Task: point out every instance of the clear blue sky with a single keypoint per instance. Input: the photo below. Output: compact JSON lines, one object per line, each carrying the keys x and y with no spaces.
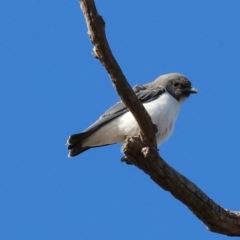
{"x":51,"y":87}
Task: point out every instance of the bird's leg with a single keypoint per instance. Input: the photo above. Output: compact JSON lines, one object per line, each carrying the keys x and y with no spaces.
{"x":155,"y":128}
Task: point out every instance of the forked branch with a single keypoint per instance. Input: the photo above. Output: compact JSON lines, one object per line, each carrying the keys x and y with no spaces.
{"x":142,"y":151}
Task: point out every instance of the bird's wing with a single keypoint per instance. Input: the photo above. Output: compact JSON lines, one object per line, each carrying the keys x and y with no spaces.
{"x":143,"y":94}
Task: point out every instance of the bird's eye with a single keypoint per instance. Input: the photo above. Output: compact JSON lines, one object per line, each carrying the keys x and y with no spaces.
{"x":176,"y":84}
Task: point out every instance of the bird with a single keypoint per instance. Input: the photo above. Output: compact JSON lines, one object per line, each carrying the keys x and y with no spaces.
{"x":161,"y":98}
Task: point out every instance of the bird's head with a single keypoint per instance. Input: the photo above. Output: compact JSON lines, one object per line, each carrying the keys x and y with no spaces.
{"x":177,"y":85}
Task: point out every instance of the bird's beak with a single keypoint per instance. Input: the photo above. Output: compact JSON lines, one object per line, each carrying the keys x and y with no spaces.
{"x":190,"y":90}
{"x":193,"y":90}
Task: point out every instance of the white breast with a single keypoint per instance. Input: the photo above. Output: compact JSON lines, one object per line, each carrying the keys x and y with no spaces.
{"x":163,"y":112}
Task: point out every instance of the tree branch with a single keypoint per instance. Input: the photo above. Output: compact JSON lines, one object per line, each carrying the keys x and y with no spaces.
{"x":102,"y":51}
{"x":142,"y":151}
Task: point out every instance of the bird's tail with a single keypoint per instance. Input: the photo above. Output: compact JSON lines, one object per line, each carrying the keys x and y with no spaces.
{"x":75,"y":143}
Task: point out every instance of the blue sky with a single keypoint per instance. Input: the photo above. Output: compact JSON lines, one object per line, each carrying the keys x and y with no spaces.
{"x":51,"y":87}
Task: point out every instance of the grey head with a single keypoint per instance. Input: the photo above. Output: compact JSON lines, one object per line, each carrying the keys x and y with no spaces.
{"x":175,"y":84}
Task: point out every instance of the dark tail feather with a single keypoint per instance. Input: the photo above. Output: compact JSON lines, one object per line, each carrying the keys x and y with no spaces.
{"x":75,"y":143}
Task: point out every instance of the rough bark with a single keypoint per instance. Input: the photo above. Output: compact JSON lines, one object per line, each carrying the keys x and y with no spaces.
{"x":142,"y":150}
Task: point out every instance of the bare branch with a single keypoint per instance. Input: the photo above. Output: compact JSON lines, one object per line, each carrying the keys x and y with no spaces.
{"x":102,"y":51}
{"x":142,"y":152}
{"x":216,"y":218}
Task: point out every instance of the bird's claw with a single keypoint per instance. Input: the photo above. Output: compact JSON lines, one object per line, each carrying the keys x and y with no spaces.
{"x":155,"y":128}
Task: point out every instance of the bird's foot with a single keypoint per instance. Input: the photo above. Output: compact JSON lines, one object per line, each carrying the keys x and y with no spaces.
{"x":155,"y":128}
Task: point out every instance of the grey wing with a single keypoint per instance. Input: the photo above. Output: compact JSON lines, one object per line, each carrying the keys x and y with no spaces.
{"x":143,"y":94}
